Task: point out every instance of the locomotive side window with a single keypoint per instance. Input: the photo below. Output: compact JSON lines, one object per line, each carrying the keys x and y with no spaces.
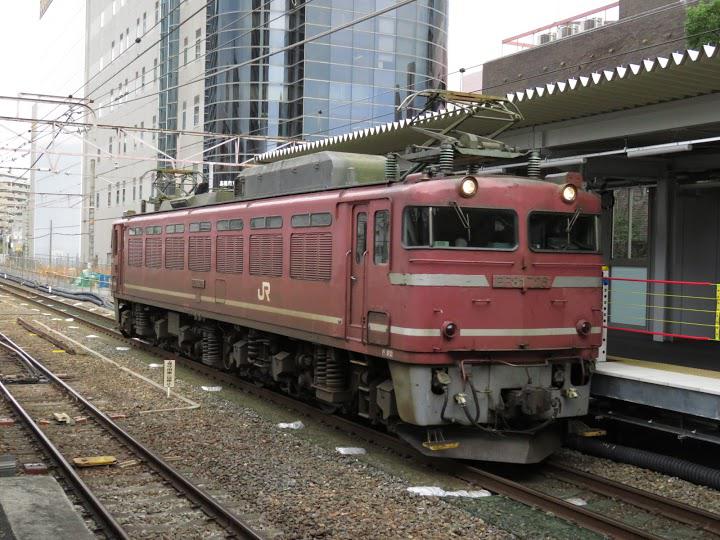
{"x":269,"y":222}
{"x":236,"y":224}
{"x":360,"y":236}
{"x":175,"y":229}
{"x":381,"y":248}
{"x":455,"y":227}
{"x":555,"y":231}
{"x":321,"y":219}
{"x":153,"y":229}
{"x":223,"y":225}
{"x":300,"y":220}
{"x":200,"y":226}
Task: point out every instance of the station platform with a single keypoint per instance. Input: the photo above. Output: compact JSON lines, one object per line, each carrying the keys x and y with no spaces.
{"x":33,"y":507}
{"x":681,"y":376}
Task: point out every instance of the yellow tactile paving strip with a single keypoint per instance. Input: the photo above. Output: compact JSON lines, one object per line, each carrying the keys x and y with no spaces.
{"x":666,"y":367}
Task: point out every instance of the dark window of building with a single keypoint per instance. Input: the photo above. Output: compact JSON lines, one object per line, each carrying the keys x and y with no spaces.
{"x":556,"y":231}
{"x":266,"y":255}
{"x":229,"y":254}
{"x":311,"y":256}
{"x":381,"y":248}
{"x":455,"y":227}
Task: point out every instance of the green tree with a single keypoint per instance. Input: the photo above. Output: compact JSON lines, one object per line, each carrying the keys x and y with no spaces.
{"x":702,"y":24}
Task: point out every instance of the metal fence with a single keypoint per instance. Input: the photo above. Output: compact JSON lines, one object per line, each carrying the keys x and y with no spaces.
{"x":65,"y":272}
{"x":670,"y":308}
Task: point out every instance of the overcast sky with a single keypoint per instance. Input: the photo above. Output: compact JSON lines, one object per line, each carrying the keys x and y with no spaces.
{"x":46,"y":56}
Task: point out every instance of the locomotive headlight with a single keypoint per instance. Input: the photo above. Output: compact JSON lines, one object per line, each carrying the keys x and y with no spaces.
{"x":569,"y":193}
{"x":468,"y":186}
{"x":449,"y":329}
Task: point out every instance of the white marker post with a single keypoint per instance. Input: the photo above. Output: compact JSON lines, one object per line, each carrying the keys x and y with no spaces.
{"x":169,"y":375}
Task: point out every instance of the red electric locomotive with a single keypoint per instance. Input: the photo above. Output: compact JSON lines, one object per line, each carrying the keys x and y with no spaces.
{"x":462,"y":311}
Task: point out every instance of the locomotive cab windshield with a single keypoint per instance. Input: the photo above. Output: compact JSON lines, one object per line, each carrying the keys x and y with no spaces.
{"x":555,"y":231}
{"x":457,"y":227}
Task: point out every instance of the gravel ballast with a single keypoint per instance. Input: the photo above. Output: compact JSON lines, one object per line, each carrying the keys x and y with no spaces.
{"x":288,"y":484}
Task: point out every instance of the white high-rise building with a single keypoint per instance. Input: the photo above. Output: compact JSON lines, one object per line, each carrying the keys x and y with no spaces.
{"x":140,"y":59}
{"x":14,"y":225}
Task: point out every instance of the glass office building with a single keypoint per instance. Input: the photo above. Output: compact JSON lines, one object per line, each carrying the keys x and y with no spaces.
{"x":348,"y":80}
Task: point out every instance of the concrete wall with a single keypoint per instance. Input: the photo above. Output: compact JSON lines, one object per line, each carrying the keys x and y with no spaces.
{"x":627,"y":40}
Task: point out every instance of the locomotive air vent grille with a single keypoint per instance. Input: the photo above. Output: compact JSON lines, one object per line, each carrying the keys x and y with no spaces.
{"x":229,"y":254}
{"x":135,"y":252}
{"x":153,"y":252}
{"x":175,"y":253}
{"x":199,"y":249}
{"x":311,"y":256}
{"x":266,"y":255}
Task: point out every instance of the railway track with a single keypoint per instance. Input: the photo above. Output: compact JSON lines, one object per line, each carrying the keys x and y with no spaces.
{"x":705,"y":523}
{"x":141,"y":495}
{"x":14,"y":369}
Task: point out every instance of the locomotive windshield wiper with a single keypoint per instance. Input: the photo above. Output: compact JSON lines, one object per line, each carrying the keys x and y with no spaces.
{"x":573,"y":220}
{"x":464,"y":218}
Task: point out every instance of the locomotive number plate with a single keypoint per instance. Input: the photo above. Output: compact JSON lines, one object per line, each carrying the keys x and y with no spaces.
{"x":521,"y":282}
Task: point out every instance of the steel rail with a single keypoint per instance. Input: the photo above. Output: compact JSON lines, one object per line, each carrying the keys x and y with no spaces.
{"x":579,"y":515}
{"x":97,"y":508}
{"x":656,"y":504}
{"x":196,"y":494}
{"x":504,"y":486}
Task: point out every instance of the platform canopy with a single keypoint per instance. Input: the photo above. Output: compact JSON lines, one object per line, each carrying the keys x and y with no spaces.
{"x":681,"y":75}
